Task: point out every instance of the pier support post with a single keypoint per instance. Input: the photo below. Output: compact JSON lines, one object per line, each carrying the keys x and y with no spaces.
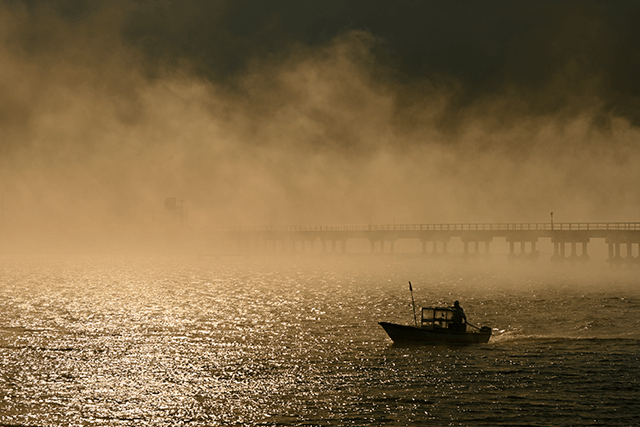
{"x":522,"y":254}
{"x":556,"y":252}
{"x":512,"y":251}
{"x":614,"y":252}
{"x":610,"y":252}
{"x":465,"y":253}
{"x":584,"y":256}
{"x":487,"y":253}
{"x":534,"y":255}
{"x":574,"y":256}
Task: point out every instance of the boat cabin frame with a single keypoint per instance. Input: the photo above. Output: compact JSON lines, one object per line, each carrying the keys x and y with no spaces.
{"x":441,"y":318}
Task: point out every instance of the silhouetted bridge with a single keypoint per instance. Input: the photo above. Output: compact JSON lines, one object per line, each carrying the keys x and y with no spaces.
{"x":569,"y":240}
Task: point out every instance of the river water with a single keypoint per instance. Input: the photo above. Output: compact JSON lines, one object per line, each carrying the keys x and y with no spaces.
{"x":294,"y":341}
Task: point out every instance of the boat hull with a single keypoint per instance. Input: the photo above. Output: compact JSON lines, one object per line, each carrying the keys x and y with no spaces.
{"x":412,"y":334}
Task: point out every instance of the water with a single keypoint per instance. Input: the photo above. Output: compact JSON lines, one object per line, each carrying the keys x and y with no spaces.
{"x":288,"y":341}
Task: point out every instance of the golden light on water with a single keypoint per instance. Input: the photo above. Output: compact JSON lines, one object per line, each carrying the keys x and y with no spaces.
{"x":250,"y":340}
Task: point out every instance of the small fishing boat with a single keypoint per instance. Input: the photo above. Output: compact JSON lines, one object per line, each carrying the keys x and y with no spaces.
{"x":437,"y":325}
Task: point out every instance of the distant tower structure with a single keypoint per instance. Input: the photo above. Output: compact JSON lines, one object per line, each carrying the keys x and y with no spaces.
{"x":174,"y":209}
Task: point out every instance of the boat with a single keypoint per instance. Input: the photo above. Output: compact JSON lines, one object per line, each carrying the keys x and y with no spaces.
{"x":437,"y":325}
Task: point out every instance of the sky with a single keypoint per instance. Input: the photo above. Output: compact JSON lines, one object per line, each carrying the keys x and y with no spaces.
{"x":314,"y":113}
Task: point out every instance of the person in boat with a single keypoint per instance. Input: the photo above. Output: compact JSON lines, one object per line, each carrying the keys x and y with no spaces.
{"x":459,"y":320}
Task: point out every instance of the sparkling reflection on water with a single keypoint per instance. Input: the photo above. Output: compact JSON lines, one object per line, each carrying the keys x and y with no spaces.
{"x":294,"y":341}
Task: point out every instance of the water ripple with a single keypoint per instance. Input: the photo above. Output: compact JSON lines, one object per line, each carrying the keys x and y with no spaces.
{"x":288,"y":341}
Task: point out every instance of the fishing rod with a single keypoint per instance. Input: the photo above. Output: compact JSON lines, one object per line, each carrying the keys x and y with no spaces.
{"x":415,"y":321}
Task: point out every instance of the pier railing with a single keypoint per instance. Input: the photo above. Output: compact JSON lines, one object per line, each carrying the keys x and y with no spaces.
{"x":573,"y":226}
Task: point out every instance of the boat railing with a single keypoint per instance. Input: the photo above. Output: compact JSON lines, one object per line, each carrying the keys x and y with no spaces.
{"x":436,"y":317}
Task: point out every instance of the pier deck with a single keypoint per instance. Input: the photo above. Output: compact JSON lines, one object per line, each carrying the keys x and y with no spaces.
{"x":570,"y":240}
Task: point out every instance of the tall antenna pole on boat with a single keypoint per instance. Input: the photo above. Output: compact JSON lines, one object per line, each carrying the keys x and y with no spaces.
{"x":415,"y":321}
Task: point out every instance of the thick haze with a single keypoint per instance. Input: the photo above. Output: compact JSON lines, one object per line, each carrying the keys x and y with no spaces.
{"x":313,"y":113}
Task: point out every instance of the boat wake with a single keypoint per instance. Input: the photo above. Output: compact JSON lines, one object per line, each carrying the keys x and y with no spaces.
{"x":502,"y":336}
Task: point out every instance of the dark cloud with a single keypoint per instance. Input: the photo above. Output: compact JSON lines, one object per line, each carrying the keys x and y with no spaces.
{"x":553,"y":52}
{"x":564,"y":49}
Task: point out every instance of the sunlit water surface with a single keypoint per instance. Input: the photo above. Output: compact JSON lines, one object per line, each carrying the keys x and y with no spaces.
{"x":205,"y":341}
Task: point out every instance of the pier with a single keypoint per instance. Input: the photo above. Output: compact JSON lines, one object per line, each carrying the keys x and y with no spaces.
{"x":567,"y":242}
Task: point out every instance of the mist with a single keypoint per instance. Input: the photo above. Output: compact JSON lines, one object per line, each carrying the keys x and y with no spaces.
{"x":105,"y":113}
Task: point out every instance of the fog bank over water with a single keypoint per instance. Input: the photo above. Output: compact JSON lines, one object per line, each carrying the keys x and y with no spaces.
{"x":96,"y":131}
